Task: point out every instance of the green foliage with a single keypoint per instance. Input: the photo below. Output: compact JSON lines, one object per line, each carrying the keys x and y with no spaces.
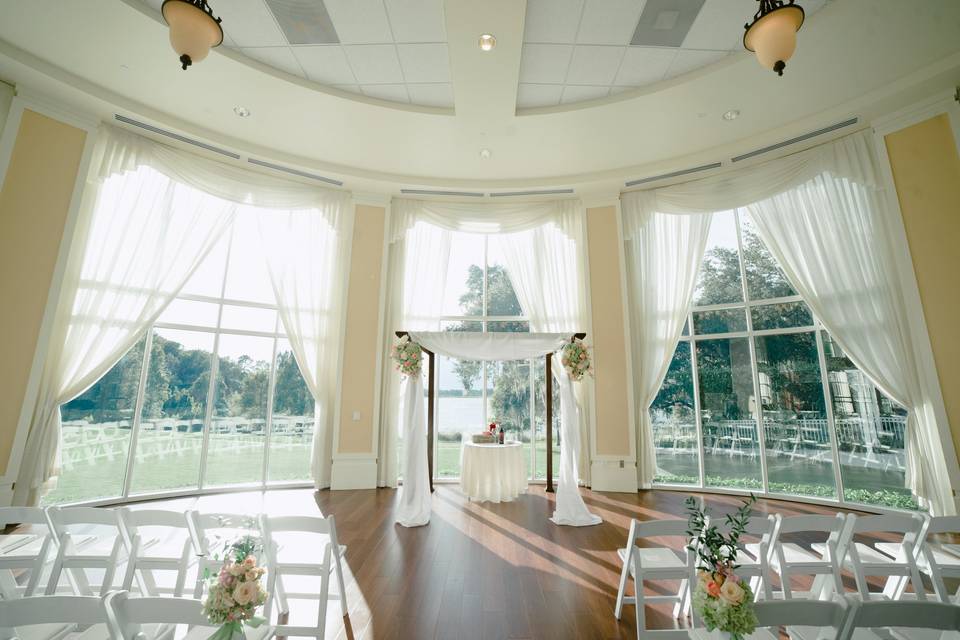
{"x":716,"y":551}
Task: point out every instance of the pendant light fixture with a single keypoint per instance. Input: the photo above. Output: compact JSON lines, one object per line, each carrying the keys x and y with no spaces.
{"x":773,"y":33}
{"x":194,"y":30}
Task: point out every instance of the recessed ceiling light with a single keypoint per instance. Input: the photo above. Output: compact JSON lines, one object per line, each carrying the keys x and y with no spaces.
{"x":487,"y":42}
{"x":243,"y":112}
{"x":485,"y":154}
{"x":733,"y":114}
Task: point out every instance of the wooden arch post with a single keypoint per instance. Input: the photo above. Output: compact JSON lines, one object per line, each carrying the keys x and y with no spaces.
{"x":431,"y":394}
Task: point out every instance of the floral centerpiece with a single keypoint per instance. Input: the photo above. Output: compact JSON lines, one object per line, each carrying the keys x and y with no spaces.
{"x":407,"y":356}
{"x":576,"y":359}
{"x":235,"y":593}
{"x":492,"y":428}
{"x":722,"y":599}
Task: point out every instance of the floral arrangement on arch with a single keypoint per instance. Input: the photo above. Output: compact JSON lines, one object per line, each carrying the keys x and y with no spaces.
{"x":722,"y":599}
{"x":236,"y":592}
{"x":576,"y":359}
{"x":407,"y":356}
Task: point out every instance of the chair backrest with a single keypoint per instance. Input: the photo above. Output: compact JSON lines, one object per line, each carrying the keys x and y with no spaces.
{"x":23,"y":515}
{"x":660,"y":529}
{"x":207,"y":527}
{"x":24,"y":612}
{"x":65,"y":517}
{"x":807,"y":613}
{"x":303,"y":524}
{"x":126,"y":614}
{"x":832,"y":525}
{"x":914,"y":614}
{"x":907,"y":524}
{"x":943,"y":524}
{"x":134,"y":521}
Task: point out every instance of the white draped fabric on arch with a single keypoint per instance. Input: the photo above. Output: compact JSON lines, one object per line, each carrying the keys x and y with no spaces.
{"x":149,"y":216}
{"x":824,"y":215}
{"x":544,"y":250}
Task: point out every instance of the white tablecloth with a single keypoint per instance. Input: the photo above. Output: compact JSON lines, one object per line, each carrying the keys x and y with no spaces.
{"x":493,"y":472}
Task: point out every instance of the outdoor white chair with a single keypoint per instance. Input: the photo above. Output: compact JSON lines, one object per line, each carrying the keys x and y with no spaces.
{"x":29,"y":550}
{"x":159,"y":541}
{"x":149,"y":618}
{"x":643,"y":564}
{"x":935,"y":559}
{"x":754,"y":558}
{"x":791,"y":559}
{"x":864,"y":560}
{"x":902,"y":620}
{"x":52,"y":618}
{"x":89,"y":539}
{"x":211,"y":531}
{"x":302,"y":546}
{"x":821,"y":619}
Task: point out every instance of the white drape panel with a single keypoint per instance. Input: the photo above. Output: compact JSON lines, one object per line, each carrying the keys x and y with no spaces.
{"x":829,"y":237}
{"x":139,"y":238}
{"x":414,"y":507}
{"x":308,"y":271}
{"x":476,"y":218}
{"x":548,"y":272}
{"x":490,"y":346}
{"x":663,"y":254}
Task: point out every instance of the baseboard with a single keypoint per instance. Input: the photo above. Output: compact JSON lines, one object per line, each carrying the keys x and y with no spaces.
{"x":353,"y":473}
{"x":608,"y":475}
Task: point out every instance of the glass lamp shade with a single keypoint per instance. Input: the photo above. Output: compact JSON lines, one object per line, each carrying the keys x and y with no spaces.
{"x":193,"y":31}
{"x":773,"y":37}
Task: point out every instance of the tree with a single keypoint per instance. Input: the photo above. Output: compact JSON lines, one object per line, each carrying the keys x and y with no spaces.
{"x":291,"y":395}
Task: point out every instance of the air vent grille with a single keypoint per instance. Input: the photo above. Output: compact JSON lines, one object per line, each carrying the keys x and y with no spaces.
{"x":175,"y":136}
{"x":544,"y":192}
{"x":674,"y":174}
{"x":304,"y":21}
{"x":430,"y":192}
{"x":801,"y":138}
{"x":294,"y":172}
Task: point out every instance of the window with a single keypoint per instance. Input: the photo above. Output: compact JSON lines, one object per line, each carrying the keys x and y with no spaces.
{"x":759,"y":397}
{"x":217,"y":399}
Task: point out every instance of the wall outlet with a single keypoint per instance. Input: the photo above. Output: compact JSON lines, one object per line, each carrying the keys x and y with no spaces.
{"x":356,"y":416}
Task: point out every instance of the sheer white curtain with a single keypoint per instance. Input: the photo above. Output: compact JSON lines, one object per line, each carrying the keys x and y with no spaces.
{"x":308,"y":273}
{"x":139,"y":238}
{"x":548,"y":272}
{"x":663,"y":253}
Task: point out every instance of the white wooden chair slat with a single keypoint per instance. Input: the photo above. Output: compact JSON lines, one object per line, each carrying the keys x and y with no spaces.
{"x":150,"y":618}
{"x":51,"y":617}
{"x":79,"y":552}
{"x":149,"y":554}
{"x":903,"y":614}
{"x":31,"y":551}
{"x":864,"y":561}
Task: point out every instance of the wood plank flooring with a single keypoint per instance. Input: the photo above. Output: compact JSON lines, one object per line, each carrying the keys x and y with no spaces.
{"x":482,"y":571}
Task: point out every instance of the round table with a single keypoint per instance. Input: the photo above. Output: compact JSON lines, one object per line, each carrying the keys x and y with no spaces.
{"x":493,"y":472}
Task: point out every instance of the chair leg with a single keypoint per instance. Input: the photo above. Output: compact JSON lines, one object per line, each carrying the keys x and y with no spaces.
{"x":338,"y":566}
{"x":621,"y":590}
{"x":678,"y":608}
{"x":324,"y":596}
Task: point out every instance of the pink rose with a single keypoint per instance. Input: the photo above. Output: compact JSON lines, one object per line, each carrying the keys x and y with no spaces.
{"x":713,"y":589}
{"x":249,"y":563}
{"x":245,"y":593}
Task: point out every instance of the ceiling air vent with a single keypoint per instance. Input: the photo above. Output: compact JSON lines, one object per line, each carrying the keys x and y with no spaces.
{"x":174,"y":136}
{"x":304,"y":21}
{"x":787,"y":143}
{"x":294,"y":172}
{"x":544,"y":192}
{"x":429,"y":192}
{"x":674,"y":174}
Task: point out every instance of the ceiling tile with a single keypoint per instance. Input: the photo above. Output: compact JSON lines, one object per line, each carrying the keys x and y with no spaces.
{"x":576,"y":93}
{"x":360,"y":21}
{"x":538,"y":95}
{"x":609,"y":21}
{"x":424,"y":62}
{"x":644,"y":65}
{"x":544,"y":63}
{"x":592,"y":64}
{"x":720,"y":24}
{"x":392,"y":92}
{"x":325,"y":64}
{"x":417,"y":20}
{"x":431,"y":95}
{"x":374,"y":63}
{"x":250,"y":23}
{"x":552,"y":21}
{"x":277,"y":57}
{"x":690,"y":60}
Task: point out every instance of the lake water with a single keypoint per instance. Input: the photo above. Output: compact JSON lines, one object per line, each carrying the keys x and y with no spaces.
{"x":460,"y":415}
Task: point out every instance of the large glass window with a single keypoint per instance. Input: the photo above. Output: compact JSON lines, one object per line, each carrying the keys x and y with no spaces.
{"x":217,"y":399}
{"x":744,"y":404}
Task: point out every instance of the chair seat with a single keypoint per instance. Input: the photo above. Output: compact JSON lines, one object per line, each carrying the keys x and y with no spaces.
{"x":750,"y":557}
{"x":655,"y":558}
{"x":44,"y":631}
{"x":93,"y":632}
{"x":794,"y":554}
{"x":20,"y":546}
{"x":91,"y":546}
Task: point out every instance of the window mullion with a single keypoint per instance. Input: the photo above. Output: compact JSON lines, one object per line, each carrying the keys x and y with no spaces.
{"x":268,"y":423}
{"x":831,"y":422}
{"x":137,"y":409}
{"x":695,"y":376}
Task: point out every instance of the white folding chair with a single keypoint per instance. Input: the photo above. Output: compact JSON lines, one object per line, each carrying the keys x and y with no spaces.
{"x":211,"y":531}
{"x":821,"y":619}
{"x":89,"y":538}
{"x":753,"y":558}
{"x":159,"y":540}
{"x":302,"y":546}
{"x":791,"y":559}
{"x":915,"y":615}
{"x":149,"y":618}
{"x":52,"y":618}
{"x":29,"y":550}
{"x":936,"y":559}
{"x":655,"y":563}
{"x":864,"y":560}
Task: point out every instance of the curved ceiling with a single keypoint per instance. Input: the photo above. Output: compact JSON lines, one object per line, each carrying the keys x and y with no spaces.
{"x":853,"y":56}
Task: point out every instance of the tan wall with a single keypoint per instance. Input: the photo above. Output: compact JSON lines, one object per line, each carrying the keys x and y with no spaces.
{"x":362,"y":337}
{"x":33,"y":209}
{"x":926,"y":170}
{"x":610,"y":355}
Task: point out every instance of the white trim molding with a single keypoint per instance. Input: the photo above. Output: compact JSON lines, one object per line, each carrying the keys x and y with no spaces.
{"x":619,"y":475}
{"x":353,"y":471}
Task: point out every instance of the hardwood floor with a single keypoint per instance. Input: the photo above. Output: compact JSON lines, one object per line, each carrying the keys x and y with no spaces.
{"x":482,"y":571}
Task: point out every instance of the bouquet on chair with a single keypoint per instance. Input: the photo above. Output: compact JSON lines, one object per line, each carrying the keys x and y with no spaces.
{"x":236,"y":592}
{"x":407,"y":356}
{"x":722,"y":600}
{"x":576,"y":359}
